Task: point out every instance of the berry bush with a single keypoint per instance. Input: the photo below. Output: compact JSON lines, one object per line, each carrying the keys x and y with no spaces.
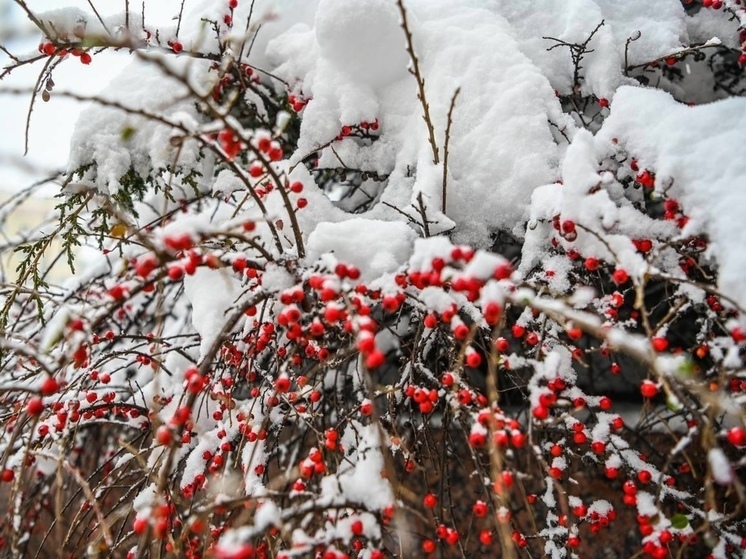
{"x":385,"y":279}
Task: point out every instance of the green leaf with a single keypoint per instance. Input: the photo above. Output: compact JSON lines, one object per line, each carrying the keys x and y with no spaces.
{"x":686,"y":370}
{"x":127,"y":133}
{"x":679,"y":521}
{"x":673,"y":403}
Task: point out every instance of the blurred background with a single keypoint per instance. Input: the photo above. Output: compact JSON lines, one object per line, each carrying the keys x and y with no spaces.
{"x":51,"y":123}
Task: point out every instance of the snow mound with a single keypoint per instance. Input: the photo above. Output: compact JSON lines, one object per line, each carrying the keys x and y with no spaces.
{"x":375,"y":247}
{"x":690,"y":149}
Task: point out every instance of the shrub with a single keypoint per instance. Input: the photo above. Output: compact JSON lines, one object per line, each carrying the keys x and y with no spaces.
{"x":371,"y":285}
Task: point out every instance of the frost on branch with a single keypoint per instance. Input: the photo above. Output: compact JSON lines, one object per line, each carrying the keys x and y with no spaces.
{"x":280,"y":342}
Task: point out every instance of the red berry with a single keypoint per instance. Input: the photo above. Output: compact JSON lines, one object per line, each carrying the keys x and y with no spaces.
{"x":390,"y":304}
{"x":568,"y":227}
{"x":737,"y":436}
{"x":477,"y":439}
{"x":275,"y":153}
{"x":302,"y":203}
{"x":452,"y":537}
{"x":646,"y":179}
{"x":7,"y":476}
{"x":256,"y":170}
{"x":574,"y":334}
{"x":485,"y":537}
{"x":428,"y":546}
{"x":35,"y":406}
{"x":620,"y":276}
{"x":611,"y":472}
{"x":375,"y":359}
{"x":357,"y":527}
{"x":460,"y":331}
{"x":473,"y":359}
{"x":649,"y":389}
{"x":604,"y":403}
{"x":177,"y":47}
{"x":479,"y":509}
{"x":85,"y":58}
{"x":140,"y":525}
{"x":598,"y":447}
{"x":296,"y":187}
{"x":163,"y":435}
{"x":518,"y":440}
{"x":175,"y":273}
{"x":540,"y":412}
{"x":430,"y":500}
{"x":366,"y":408}
{"x":282,"y":384}
{"x":49,"y":386}
{"x":660,"y":344}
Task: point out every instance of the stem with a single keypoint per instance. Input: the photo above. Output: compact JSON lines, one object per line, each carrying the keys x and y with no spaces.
{"x":445,"y":148}
{"x":415,"y":71}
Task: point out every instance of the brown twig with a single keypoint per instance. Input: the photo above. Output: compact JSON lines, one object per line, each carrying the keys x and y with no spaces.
{"x":98,"y":16}
{"x":445,"y":148}
{"x":415,"y":71}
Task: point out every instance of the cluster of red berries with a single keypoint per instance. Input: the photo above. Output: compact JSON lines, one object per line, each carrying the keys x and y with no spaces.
{"x":50,"y":49}
{"x":363,"y":129}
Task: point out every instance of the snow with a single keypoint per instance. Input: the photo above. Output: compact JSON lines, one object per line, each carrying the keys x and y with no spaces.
{"x":481,"y":58}
{"x":376,"y":247}
{"x":679,"y":147}
{"x":720,"y":467}
{"x":362,"y":40}
{"x":209,"y":312}
{"x":359,"y":479}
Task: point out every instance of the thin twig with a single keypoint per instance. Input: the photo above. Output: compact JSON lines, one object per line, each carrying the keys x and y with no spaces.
{"x":636,"y":35}
{"x":36,"y":21}
{"x":246,"y":34}
{"x":405,"y":214}
{"x":37,"y":87}
{"x":181,"y":13}
{"x":7,"y":52}
{"x":423,"y":214}
{"x":415,"y":71}
{"x":98,"y":16}
{"x":577,"y":52}
{"x":445,"y":147}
